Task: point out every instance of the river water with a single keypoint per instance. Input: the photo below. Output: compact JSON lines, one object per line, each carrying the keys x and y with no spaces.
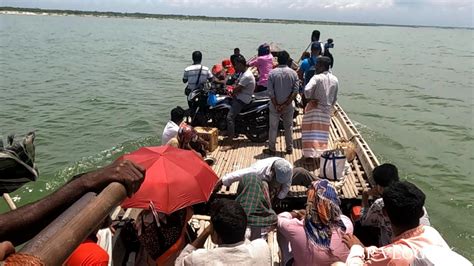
{"x":95,"y":88}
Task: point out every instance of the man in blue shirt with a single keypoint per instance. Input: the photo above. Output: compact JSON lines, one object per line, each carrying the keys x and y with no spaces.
{"x":308,"y":66}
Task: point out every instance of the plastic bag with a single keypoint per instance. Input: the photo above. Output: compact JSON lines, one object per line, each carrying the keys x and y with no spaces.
{"x":332,"y":165}
{"x":211,"y":99}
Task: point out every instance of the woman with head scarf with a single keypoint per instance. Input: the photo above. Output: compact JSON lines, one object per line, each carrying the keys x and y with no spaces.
{"x":315,"y":234}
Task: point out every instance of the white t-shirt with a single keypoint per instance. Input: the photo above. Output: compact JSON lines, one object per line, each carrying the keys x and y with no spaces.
{"x":191,"y":73}
{"x":170,"y":131}
{"x":245,"y":253}
{"x":246,"y":80}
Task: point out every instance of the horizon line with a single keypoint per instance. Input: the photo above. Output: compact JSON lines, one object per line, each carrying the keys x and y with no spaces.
{"x":207,"y":18}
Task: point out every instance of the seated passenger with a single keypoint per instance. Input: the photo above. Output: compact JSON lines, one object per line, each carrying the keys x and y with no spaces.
{"x":315,"y":234}
{"x":384,"y":175}
{"x":227,"y":230}
{"x":242,"y":93}
{"x":161,"y":236}
{"x":171,"y":129}
{"x":264,"y":64}
{"x":228,"y":67}
{"x":188,"y":139}
{"x":403,"y":204}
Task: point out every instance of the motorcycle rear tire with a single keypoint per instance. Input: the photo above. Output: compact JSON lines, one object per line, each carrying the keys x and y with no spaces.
{"x":258,"y":137}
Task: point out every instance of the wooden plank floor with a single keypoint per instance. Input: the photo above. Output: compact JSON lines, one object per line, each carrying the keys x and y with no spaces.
{"x":242,"y":153}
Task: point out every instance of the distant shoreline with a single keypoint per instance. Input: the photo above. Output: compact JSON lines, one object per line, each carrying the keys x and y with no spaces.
{"x":56,"y":12}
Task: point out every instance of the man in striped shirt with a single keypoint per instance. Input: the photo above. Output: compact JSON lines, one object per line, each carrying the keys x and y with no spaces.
{"x":196,"y":71}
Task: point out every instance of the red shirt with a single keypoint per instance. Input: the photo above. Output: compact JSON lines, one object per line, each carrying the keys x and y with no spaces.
{"x":88,"y":253}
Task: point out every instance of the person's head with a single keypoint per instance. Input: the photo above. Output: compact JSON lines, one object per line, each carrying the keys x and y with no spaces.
{"x":186,"y":134}
{"x":229,"y":222}
{"x":403,"y":204}
{"x":283,"y":58}
{"x":236,"y":51}
{"x":282,"y":172}
{"x":305,"y":55}
{"x":384,"y":175}
{"x":263,"y":49}
{"x":218,"y":71}
{"x":323,"y":213}
{"x":177,"y":115}
{"x":315,"y":36}
{"x":240,"y":64}
{"x":316,"y":49}
{"x":197,"y":57}
{"x":328,"y":44}
{"x":323,"y":64}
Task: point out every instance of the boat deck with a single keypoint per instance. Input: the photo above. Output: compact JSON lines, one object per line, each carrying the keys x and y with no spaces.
{"x":242,"y":153}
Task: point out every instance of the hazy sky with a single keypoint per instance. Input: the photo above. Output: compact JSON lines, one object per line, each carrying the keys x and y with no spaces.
{"x":418,"y":12}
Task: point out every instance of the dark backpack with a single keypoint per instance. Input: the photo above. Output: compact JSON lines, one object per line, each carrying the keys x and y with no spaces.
{"x":17,"y":163}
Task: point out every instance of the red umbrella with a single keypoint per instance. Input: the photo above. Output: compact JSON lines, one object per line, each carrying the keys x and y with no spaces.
{"x":175,"y":178}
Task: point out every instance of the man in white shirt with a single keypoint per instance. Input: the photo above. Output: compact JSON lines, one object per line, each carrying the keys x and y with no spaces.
{"x":196,"y":74}
{"x":266,"y":169}
{"x":227,"y":230}
{"x":171,"y":129}
{"x":242,"y":93}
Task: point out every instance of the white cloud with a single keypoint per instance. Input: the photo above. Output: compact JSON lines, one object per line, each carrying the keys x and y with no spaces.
{"x":290,"y":4}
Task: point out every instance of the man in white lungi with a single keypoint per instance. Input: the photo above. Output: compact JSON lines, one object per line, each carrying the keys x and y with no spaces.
{"x":321,"y":95}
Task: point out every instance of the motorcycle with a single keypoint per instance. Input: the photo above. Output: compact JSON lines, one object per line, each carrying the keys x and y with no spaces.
{"x":253,"y":120}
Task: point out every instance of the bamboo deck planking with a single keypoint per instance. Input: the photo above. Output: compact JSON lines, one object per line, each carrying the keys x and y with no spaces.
{"x":242,"y":153}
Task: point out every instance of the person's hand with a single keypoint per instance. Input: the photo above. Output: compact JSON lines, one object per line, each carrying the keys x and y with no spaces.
{"x":369,"y":192}
{"x":125,"y":172}
{"x":6,"y":248}
{"x":299,"y":214}
{"x":313,"y":104}
{"x":351,"y":240}
{"x":217,"y":186}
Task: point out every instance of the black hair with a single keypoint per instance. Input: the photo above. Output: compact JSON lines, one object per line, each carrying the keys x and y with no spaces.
{"x":385,"y":174}
{"x":283,"y":58}
{"x":236,"y":51}
{"x":315,"y":35}
{"x":197,"y":56}
{"x":404,"y":202}
{"x":325,"y":62}
{"x":177,"y":114}
{"x":240,"y":59}
{"x":305,"y":55}
{"x":229,"y":220}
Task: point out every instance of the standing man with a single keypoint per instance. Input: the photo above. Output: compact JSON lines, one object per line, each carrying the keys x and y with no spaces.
{"x":308,"y":66}
{"x":315,"y":35}
{"x":282,"y":88}
{"x":196,"y":74}
{"x":242,"y":93}
{"x":232,"y":57}
{"x":321,"y":95}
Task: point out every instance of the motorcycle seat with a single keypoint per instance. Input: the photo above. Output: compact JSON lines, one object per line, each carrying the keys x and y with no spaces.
{"x":254,"y":103}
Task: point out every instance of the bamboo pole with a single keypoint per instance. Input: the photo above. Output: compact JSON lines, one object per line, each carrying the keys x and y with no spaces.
{"x":61,"y":222}
{"x":65,"y":241}
{"x":9,"y":201}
